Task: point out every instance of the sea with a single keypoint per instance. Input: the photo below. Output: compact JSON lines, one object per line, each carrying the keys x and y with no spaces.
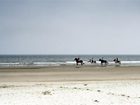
{"x":15,"y":61}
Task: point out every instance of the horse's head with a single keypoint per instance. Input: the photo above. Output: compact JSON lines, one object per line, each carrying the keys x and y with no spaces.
{"x":75,"y":59}
{"x":114,"y":60}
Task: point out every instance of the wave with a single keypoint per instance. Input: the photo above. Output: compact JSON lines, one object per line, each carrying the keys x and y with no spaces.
{"x":46,"y":64}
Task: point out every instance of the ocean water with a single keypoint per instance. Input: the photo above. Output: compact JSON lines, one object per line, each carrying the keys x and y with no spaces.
{"x":58,"y":60}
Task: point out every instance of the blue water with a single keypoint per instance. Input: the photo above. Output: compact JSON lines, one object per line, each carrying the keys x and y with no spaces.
{"x":45,"y":60}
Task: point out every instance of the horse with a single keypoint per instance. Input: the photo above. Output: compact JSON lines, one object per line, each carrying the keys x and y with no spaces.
{"x":92,"y":61}
{"x":78,"y":61}
{"x":117,"y":61}
{"x":103,"y":61}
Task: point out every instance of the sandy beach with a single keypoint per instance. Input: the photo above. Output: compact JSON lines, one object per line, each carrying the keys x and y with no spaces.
{"x":70,"y":73}
{"x":69,"y":85}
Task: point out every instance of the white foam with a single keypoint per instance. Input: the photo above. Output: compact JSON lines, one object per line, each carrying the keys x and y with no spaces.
{"x":44,"y":64}
{"x":130,"y":62}
{"x":70,"y":62}
{"x":16,"y":63}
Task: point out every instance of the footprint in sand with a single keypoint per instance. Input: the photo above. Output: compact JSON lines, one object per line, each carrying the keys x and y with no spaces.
{"x":96,"y":101}
{"x":123,"y":95}
{"x":85,"y":84}
{"x":47,"y":93}
{"x":98,"y":90}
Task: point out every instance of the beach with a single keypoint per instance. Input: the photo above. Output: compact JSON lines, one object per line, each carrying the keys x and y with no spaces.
{"x":70,"y":73}
{"x":70,"y":85}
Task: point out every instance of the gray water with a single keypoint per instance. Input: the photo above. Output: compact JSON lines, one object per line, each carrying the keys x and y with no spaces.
{"x":45,"y":60}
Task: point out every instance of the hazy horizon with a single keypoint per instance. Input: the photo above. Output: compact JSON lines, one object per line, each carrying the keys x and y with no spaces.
{"x":70,"y":27}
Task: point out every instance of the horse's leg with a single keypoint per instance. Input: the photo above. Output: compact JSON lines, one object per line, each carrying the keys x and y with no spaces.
{"x":105,"y":63}
{"x":81,"y":63}
{"x":119,"y":62}
{"x":101,"y":63}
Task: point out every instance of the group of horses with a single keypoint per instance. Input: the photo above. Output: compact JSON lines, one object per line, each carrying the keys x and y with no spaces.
{"x":78,"y":60}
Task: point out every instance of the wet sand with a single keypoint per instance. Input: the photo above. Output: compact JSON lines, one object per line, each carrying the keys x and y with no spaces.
{"x":70,"y":73}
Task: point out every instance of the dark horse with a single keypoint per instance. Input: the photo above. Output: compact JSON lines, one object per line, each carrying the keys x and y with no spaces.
{"x":117,"y":61}
{"x":103,"y":61}
{"x":78,"y":61}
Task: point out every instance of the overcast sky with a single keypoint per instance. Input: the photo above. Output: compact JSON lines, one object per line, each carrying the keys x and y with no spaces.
{"x":69,"y":26}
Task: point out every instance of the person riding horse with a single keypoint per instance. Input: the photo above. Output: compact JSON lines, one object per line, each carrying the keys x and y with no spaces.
{"x":117,"y":61}
{"x":91,"y":61}
{"x":103,"y":61}
{"x":78,"y":61}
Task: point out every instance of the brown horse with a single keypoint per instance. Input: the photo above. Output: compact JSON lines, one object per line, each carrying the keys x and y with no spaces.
{"x":78,"y":61}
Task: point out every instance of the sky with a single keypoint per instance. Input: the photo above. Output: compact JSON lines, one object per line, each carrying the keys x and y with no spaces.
{"x":69,"y":26}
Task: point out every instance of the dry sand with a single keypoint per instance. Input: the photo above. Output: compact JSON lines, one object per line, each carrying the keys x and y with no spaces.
{"x":68,"y":85}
